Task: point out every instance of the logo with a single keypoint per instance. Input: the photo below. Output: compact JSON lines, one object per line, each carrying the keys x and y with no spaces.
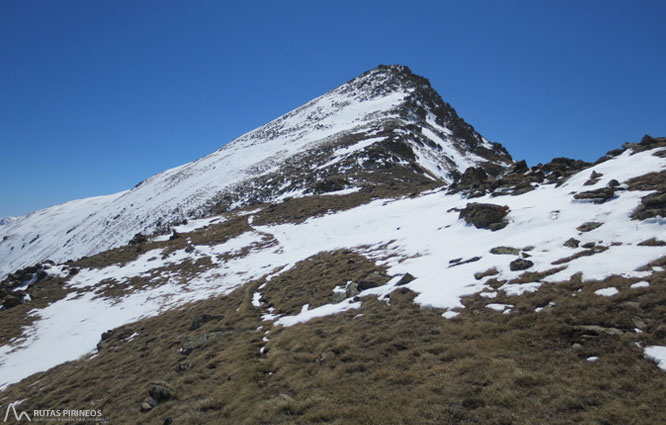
{"x":17,"y":416}
{"x":53,"y":415}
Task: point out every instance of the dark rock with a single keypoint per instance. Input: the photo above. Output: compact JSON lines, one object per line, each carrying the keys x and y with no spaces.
{"x":572,"y":243}
{"x":460,"y":263}
{"x":520,"y":167}
{"x":160,"y":391}
{"x":473,"y":177}
{"x":652,"y":205}
{"x":184,"y":365}
{"x":589,"y":226}
{"x":599,"y":196}
{"x":331,"y":184}
{"x":174,"y":235}
{"x":520,"y":264}
{"x":138,"y":239}
{"x":404,"y":280}
{"x":168,"y":421}
{"x":652,"y":242}
{"x":594,"y":178}
{"x":648,"y":140}
{"x":505,"y":250}
{"x":588,"y":245}
{"x":485,"y":216}
{"x":490,"y":272}
{"x":11,"y":301}
{"x":613,"y":183}
{"x":352,"y":290}
{"x":367,"y":284}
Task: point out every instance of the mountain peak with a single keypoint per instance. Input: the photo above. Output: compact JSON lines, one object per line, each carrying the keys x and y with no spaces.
{"x":386,"y":131}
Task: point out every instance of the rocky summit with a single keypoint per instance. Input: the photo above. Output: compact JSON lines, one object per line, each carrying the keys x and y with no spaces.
{"x":367,"y":258}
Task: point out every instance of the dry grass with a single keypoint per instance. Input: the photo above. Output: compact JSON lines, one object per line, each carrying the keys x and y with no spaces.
{"x":395,"y":364}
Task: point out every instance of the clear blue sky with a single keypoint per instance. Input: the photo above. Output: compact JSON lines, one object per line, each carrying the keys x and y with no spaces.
{"x":98,"y":95}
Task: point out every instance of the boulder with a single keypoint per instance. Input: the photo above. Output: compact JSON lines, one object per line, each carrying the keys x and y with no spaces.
{"x":599,"y":196}
{"x":572,"y":243}
{"x":520,"y":264}
{"x":505,"y":250}
{"x":485,"y":216}
{"x":404,"y":280}
{"x":588,"y":226}
{"x":160,"y":391}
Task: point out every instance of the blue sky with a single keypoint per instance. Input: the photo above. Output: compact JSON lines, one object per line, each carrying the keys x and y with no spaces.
{"x":98,"y":95}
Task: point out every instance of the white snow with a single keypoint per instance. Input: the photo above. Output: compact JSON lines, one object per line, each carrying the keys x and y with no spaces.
{"x":641,"y":284}
{"x":343,"y":191}
{"x":499,"y":307}
{"x":417,"y":235}
{"x":516,"y":289}
{"x":607,"y":292}
{"x":592,"y":359}
{"x":321,"y":311}
{"x":657,"y":353}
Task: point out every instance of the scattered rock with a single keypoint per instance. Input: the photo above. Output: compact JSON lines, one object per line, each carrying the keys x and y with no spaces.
{"x":367,"y":284}
{"x":652,"y":205}
{"x":572,"y":243}
{"x":576,"y":347}
{"x":184,"y":365}
{"x":404,"y":280}
{"x":589,"y":226}
{"x":160,"y":391}
{"x":485,"y":216}
{"x":145,"y":406}
{"x":594,"y":178}
{"x":11,"y":301}
{"x":138,"y":239}
{"x":352,"y":290}
{"x":505,"y":250}
{"x":652,"y":242}
{"x":599,"y":196}
{"x":520,"y":264}
{"x":460,"y":263}
{"x":490,"y":272}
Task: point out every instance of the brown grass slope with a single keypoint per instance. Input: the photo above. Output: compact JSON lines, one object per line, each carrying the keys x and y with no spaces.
{"x":387,"y":363}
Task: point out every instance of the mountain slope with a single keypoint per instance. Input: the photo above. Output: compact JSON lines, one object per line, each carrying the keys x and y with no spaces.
{"x":356,"y":135}
{"x":375,"y":288}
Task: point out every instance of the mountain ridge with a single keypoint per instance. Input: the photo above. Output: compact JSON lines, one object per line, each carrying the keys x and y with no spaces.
{"x":388,"y":113}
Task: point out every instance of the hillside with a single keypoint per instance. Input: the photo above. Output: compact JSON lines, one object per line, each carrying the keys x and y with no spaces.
{"x":387,"y":127}
{"x":391,"y":281}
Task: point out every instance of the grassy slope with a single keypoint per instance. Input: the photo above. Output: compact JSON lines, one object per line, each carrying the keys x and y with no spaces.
{"x":395,"y":364}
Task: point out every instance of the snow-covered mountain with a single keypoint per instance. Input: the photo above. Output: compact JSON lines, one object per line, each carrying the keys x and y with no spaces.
{"x":366,"y":258}
{"x":350,"y":137}
{"x":7,"y":220}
